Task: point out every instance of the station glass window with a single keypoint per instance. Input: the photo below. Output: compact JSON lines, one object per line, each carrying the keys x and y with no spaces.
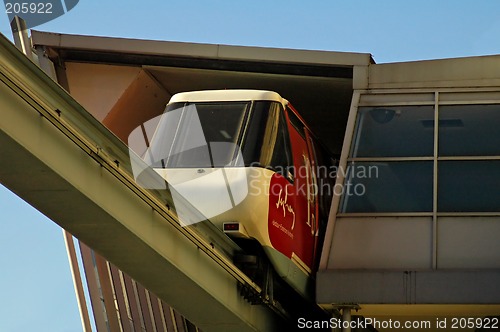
{"x":469,"y":186}
{"x":388,"y":187}
{"x":469,"y":130}
{"x":394,"y":132}
{"x":383,"y":175}
{"x":399,"y":142}
{"x":465,"y":184}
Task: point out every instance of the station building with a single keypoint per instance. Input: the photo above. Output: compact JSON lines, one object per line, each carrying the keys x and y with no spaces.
{"x":424,"y":233}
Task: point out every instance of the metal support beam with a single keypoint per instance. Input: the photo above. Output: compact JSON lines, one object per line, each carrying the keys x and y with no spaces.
{"x":77,"y":282}
{"x":20,"y":34}
{"x":47,"y":66}
{"x":346,"y":319}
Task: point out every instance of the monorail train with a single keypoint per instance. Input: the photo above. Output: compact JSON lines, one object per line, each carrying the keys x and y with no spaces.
{"x":248,"y":162}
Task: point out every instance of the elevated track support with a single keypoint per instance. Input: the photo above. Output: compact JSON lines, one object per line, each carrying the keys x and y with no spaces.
{"x":66,"y":164}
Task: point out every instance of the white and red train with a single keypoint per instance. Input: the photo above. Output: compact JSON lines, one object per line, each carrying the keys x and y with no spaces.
{"x":248,"y":162}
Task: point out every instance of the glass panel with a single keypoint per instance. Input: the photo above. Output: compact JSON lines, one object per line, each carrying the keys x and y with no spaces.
{"x":267,"y":142}
{"x":186,"y":135}
{"x":296,"y":122}
{"x":262,"y":116}
{"x":466,"y":130}
{"x":469,"y":186}
{"x":403,"y":131}
{"x":388,"y":187}
{"x":281,"y":159}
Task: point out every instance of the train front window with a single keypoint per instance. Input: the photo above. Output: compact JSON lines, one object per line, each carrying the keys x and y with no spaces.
{"x":266,"y":142}
{"x":199,"y":135}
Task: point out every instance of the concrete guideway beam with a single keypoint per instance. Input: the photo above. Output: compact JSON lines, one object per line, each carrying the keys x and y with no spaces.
{"x":63,"y":174}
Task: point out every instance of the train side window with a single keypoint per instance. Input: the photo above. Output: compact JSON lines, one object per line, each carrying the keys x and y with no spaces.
{"x":281,"y":160}
{"x":296,"y":122}
{"x":255,"y":144}
{"x":266,"y":142}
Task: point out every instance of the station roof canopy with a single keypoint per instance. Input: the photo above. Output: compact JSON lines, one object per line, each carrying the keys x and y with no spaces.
{"x":318,"y":83}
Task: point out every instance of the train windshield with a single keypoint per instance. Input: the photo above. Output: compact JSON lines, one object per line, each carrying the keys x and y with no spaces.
{"x":220,"y":134}
{"x":201,"y":135}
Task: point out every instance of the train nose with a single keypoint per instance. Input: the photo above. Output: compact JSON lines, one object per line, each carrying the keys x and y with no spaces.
{"x":212,"y":191}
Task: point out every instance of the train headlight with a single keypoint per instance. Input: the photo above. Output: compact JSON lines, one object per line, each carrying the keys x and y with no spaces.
{"x":235,"y":229}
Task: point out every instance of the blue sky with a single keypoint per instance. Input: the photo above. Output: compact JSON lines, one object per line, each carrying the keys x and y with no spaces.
{"x":35,"y":283}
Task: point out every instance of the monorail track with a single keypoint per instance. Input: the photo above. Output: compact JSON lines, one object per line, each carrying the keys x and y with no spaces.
{"x":72,"y":163}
